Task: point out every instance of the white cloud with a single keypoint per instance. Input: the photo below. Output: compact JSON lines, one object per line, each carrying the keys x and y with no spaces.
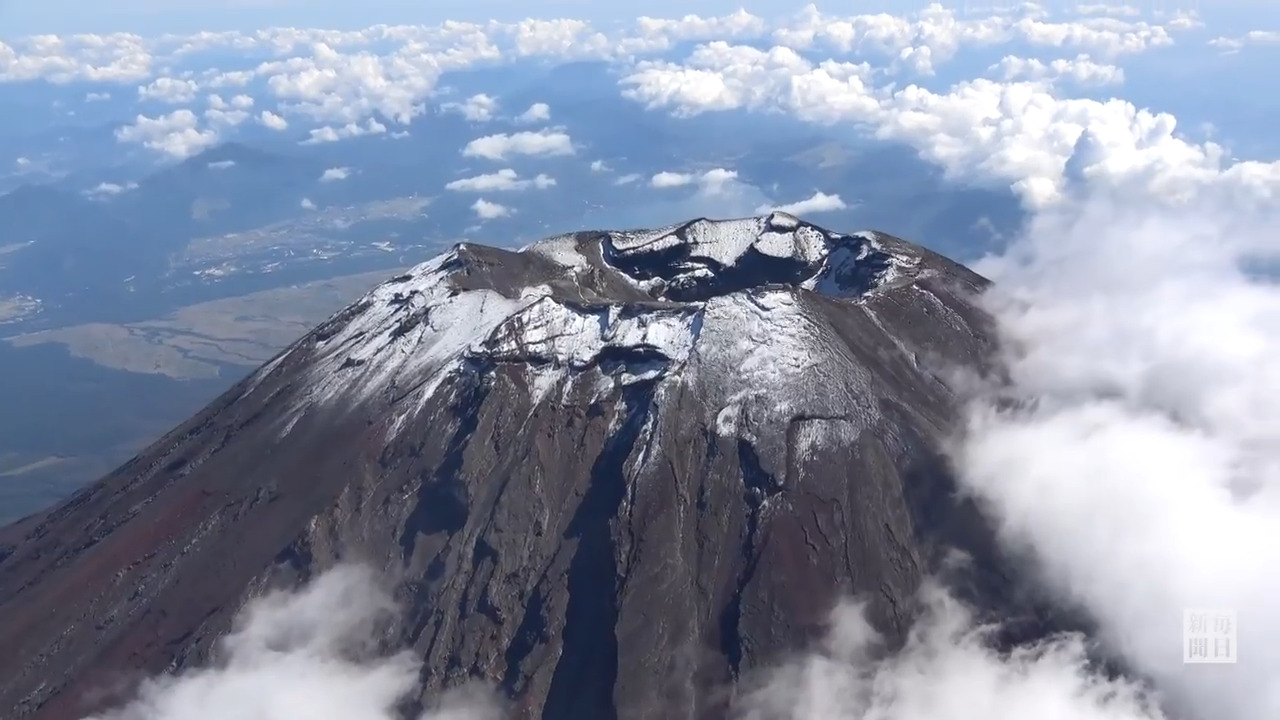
{"x":272,"y":120}
{"x":307,"y":204}
{"x":335,"y":173}
{"x":921,"y":41}
{"x":177,"y":134}
{"x":306,"y":654}
{"x":720,"y":76}
{"x":337,"y":85}
{"x":543,"y":143}
{"x":225,"y":114}
{"x":477,"y":108}
{"x":115,"y":57}
{"x":1142,"y":468}
{"x":351,"y":130}
{"x":1107,"y":9}
{"x":947,"y":670}
{"x":170,"y":90}
{"x":1020,"y":133}
{"x":222,"y":164}
{"x":106,"y":190}
{"x":661,"y":34}
{"x":537,"y":112}
{"x":486,"y":210}
{"x":711,"y":181}
{"x":599,"y":166}
{"x":503,"y":180}
{"x":670,"y":179}
{"x":562,"y":38}
{"x":1254,"y":37}
{"x":627,"y":179}
{"x":817,"y":203}
{"x":1081,"y":70}
{"x":344,"y":79}
{"x":237,"y":102}
{"x":97,"y":96}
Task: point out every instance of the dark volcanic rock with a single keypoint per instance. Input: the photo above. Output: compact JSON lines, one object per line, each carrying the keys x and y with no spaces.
{"x":612,"y":472}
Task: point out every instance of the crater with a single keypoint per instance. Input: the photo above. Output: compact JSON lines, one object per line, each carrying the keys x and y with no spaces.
{"x":703,"y":258}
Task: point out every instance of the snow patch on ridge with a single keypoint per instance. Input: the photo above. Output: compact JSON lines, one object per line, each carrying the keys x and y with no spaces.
{"x":766,"y":358}
{"x":555,"y":340}
{"x":405,"y":337}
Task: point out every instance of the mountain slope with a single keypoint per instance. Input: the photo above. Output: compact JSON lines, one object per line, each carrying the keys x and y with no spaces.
{"x":613,"y":472}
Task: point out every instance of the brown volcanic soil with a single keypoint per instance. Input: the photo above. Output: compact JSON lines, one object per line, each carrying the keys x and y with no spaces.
{"x":608,"y":550}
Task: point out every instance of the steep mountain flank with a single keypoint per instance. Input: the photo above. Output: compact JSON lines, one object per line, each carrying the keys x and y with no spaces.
{"x":611,"y":473}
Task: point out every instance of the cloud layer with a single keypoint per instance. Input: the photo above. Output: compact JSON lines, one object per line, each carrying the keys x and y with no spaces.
{"x":946,"y":671}
{"x":1143,"y":466}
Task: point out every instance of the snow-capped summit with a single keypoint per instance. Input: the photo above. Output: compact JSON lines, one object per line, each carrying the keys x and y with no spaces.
{"x":611,"y":473}
{"x":704,"y":258}
{"x":736,"y":301}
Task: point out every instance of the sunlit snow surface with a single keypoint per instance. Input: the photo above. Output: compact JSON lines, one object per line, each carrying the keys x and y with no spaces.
{"x":722,"y":302}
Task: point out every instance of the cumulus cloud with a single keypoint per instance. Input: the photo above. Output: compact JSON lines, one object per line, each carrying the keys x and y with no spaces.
{"x":1023,"y":134}
{"x":308,"y":653}
{"x":477,"y":108}
{"x":543,"y":143}
{"x":389,"y":73}
{"x":272,"y":121}
{"x":537,"y":112}
{"x":1082,"y":70}
{"x":661,"y":34}
{"x":1254,"y":37}
{"x":335,"y":173}
{"x":228,"y":113}
{"x":671,"y":179}
{"x":237,"y":102}
{"x":350,"y":130}
{"x":307,"y":204}
{"x":169,"y":90}
{"x":114,"y":57}
{"x":923,"y":40}
{"x":817,"y":203}
{"x":177,"y":134}
{"x":97,"y":97}
{"x":710,"y":181}
{"x":486,"y":210}
{"x":503,"y":180}
{"x":105,"y":190}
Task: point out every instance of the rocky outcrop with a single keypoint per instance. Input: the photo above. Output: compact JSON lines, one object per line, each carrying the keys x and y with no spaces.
{"x":611,"y":473}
